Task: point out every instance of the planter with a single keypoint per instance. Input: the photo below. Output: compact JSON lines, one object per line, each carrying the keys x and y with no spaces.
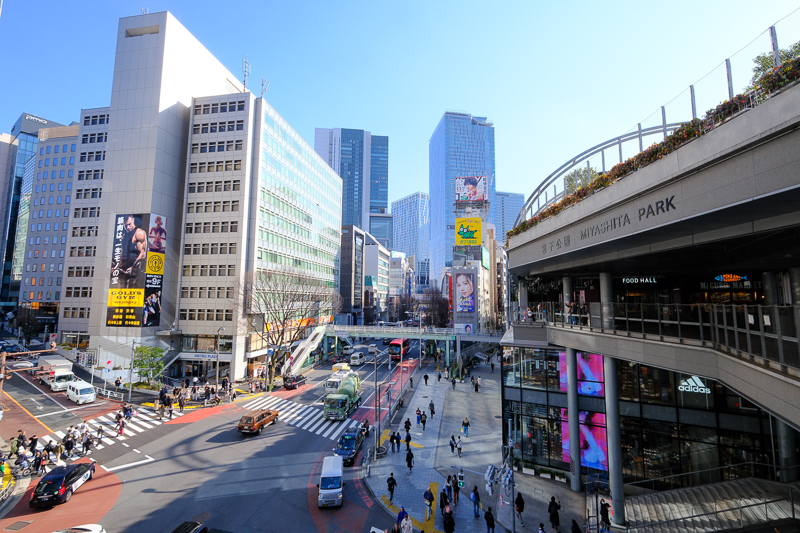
{"x":561,"y":479}
{"x":545,"y":476}
{"x":529,"y":471}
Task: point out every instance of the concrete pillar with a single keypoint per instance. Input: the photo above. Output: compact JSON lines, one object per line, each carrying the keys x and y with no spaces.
{"x":523,"y":293}
{"x":458,"y":357}
{"x":566,"y":290}
{"x":787,"y":451}
{"x":794,"y":279}
{"x":576,"y":483}
{"x":770,"y":288}
{"x":607,"y":299}
{"x":614,"y":440}
{"x":447,"y":353}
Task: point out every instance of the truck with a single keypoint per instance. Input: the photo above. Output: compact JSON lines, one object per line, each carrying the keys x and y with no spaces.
{"x":333,"y":383}
{"x":339,"y":404}
{"x":55,"y":372}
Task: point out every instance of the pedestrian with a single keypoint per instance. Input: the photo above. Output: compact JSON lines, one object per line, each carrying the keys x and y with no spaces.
{"x":161,"y":408}
{"x":120,"y":427}
{"x":439,"y":377}
{"x":446,"y":375}
{"x":492,"y":366}
{"x":448,"y":486}
{"x":519,"y":506}
{"x":458,"y":445}
{"x":100,"y":431}
{"x":391,"y":484}
{"x":425,"y":377}
{"x":87,"y":444}
{"x":419,"y":416}
{"x":480,"y":382}
{"x":32,"y":444}
{"x":402,"y":514}
{"x":23,"y":441}
{"x":117,"y":383}
{"x":409,"y":460}
{"x":48,"y":449}
{"x":170,"y":406}
{"x":541,"y":528}
{"x":456,"y":492}
{"x":604,"y":519}
{"x":14,"y":447}
{"x":444,"y":500}
{"x":69,"y":446}
{"x":432,"y":408}
{"x":448,"y":522}
{"x":552,"y":509}
{"x":407,"y":425}
{"x":428,"y":497}
{"x":127,"y":410}
{"x":452,"y":444}
{"x":489,"y":517}
{"x":38,"y":463}
{"x":475,"y":384}
{"x":408,"y":441}
{"x":476,"y":501}
{"x":411,"y":381}
{"x":575,"y":527}
{"x":423,"y":419}
{"x":407,"y":526}
{"x":453,"y":381}
{"x":391,"y":441}
{"x":465,"y":426}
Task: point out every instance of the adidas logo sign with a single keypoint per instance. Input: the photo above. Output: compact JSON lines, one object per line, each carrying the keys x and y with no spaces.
{"x":693,"y":384}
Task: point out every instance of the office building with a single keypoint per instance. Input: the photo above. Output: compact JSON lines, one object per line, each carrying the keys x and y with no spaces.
{"x":461,"y":150}
{"x":351,"y":274}
{"x":362,"y":161}
{"x":411,"y":233}
{"x":509,"y":204}
{"x":376,"y":284}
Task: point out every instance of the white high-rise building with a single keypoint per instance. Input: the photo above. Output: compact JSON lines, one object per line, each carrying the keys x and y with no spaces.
{"x":509,"y":204}
{"x":412,"y":233}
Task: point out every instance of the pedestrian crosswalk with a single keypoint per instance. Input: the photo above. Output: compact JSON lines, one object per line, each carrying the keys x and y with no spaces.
{"x":306,"y":417}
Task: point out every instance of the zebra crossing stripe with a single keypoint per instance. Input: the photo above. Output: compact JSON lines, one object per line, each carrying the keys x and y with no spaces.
{"x":289,"y":412}
{"x":300,"y":415}
{"x":313,"y":427}
{"x":325,"y":432}
{"x":310,"y":421}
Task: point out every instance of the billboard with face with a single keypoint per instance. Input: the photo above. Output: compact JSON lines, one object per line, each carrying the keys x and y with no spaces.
{"x":464,"y":286}
{"x":472,"y":189}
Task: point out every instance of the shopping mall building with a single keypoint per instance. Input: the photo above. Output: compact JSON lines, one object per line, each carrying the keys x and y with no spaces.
{"x":666,"y":307}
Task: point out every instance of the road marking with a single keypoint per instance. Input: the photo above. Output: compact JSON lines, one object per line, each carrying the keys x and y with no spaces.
{"x":137,"y":451}
{"x":129,"y":465}
{"x":73,"y":409}
{"x":126,"y":445}
{"x":37,"y":403}
{"x":29,"y":413}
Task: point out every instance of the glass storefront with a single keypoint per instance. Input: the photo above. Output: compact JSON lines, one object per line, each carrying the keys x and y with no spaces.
{"x":205,"y":343}
{"x":675,"y":426}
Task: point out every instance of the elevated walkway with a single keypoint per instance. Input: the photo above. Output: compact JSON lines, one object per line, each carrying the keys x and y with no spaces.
{"x":300,"y":355}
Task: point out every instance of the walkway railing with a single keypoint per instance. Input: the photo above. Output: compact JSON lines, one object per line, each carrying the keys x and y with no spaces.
{"x":710,"y":475}
{"x":767,"y":334}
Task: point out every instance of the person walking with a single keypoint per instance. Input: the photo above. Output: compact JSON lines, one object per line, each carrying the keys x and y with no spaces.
{"x":408,"y":441}
{"x":38,"y":462}
{"x":120,"y":427}
{"x":444,"y":501}
{"x":391,"y":441}
{"x":407,"y":425}
{"x":402,"y":514}
{"x":465,"y":426}
{"x":419,"y":416}
{"x":88,"y":442}
{"x":425,"y":377}
{"x":576,"y":528}
{"x":446,"y":375}
{"x":604,"y":518}
{"x":117,"y":383}
{"x":456,"y":492}
{"x":452,"y":444}
{"x":489,"y":517}
{"x":448,"y":486}
{"x":49,"y":447}
{"x":409,"y":459}
{"x":391,"y":484}
{"x":519,"y":506}
{"x":428,"y":497}
{"x":475,"y":384}
{"x":411,"y":382}
{"x":453,"y":381}
{"x":432,"y":408}
{"x":407,"y":526}
{"x":492,"y":363}
{"x":448,"y":522}
{"x":32,"y":444}
{"x":458,"y":445}
{"x":541,"y":528}
{"x":553,"y":509}
{"x":181,"y":403}
{"x":423,"y":419}
{"x":170,"y":406}
{"x":476,"y":501}
{"x":438,"y":377}
{"x":480,"y":382}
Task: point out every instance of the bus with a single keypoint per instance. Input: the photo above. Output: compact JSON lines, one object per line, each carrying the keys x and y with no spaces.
{"x":396,"y":346}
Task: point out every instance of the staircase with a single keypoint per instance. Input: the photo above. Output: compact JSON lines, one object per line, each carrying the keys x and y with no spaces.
{"x":169,"y":357}
{"x":725,"y":506}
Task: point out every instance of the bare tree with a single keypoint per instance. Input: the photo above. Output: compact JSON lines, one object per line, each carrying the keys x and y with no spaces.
{"x":436,"y":307}
{"x":279,"y":306}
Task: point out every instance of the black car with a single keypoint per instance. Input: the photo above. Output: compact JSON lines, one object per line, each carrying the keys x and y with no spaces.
{"x":386,"y":341}
{"x":292,"y":381}
{"x":349,"y":444}
{"x":58,"y":485}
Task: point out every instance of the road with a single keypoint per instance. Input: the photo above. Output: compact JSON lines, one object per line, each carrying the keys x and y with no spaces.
{"x":198,"y":463}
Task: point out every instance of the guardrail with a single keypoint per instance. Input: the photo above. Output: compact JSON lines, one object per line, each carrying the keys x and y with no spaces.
{"x":110,"y":394}
{"x":8,"y":489}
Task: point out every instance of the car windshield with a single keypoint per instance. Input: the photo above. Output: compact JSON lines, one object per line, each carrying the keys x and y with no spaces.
{"x":246,"y":420}
{"x":335,"y":403}
{"x":347,"y":442}
{"x":48,"y":486}
{"x":329,"y":483}
{"x":85,"y":391}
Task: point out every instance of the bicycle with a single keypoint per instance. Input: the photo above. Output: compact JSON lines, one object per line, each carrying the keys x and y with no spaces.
{"x":23,"y":470}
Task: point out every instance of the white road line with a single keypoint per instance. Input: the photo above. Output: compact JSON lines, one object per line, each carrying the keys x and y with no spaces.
{"x":323,"y":431}
{"x":73,"y":409}
{"x":301,"y":415}
{"x":129,"y":465}
{"x":313,"y":427}
{"x":291,"y":411}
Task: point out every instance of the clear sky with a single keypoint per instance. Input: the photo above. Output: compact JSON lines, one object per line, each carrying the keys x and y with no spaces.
{"x":555,"y":77}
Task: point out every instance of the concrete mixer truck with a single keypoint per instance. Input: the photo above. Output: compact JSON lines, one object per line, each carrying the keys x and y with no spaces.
{"x":344,"y":401}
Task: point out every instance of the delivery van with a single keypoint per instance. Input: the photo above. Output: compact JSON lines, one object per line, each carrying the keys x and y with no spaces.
{"x":58,"y":381}
{"x":80,"y":392}
{"x":331,"y":482}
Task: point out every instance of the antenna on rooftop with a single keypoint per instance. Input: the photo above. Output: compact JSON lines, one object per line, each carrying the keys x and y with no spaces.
{"x":245,"y":71}
{"x":264,"y":85}
{"x":145,"y":10}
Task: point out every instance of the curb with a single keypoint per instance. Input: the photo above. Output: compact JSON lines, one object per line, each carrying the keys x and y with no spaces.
{"x":16,"y":496}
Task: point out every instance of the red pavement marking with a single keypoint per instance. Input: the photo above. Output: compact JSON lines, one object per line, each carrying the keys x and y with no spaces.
{"x":101,"y":407}
{"x":88,"y":505}
{"x":285,"y":394}
{"x":350,"y":517}
{"x":200,"y":414}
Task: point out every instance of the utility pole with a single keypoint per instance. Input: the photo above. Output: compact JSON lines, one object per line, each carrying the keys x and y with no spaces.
{"x":216,"y":352}
{"x":130,"y":377}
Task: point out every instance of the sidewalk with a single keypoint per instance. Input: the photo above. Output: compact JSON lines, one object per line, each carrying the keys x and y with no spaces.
{"x":434,"y":461}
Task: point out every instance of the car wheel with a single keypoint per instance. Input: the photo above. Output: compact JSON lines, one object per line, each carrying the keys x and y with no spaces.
{"x":68,"y":496}
{"x":91,"y":474}
{"x":260,"y":430}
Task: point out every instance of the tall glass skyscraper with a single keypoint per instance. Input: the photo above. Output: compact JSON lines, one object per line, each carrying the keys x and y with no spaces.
{"x":362,"y":161}
{"x":461,"y":145}
{"x":509,"y":204}
{"x":412,"y":233}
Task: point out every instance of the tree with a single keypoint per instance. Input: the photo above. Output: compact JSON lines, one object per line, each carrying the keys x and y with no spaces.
{"x":148,"y":362}
{"x":280,"y":305}
{"x":578,"y":178}
{"x":437,"y":307}
{"x":765,"y":62}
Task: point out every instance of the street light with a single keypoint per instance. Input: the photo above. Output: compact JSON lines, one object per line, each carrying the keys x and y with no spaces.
{"x":216,"y":351}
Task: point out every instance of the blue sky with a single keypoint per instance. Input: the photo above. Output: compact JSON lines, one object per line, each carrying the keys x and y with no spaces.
{"x":554,"y":77}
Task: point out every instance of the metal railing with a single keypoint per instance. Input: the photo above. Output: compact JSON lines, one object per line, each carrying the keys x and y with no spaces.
{"x":717,"y":474}
{"x":766,"y":334}
{"x":108,"y":393}
{"x":371,"y":331}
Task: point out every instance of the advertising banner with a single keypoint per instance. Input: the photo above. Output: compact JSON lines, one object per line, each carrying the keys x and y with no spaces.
{"x":465,"y":292}
{"x":466,"y":328}
{"x":472,"y":189}
{"x":137,"y":271}
{"x":485,"y":257}
{"x":593,"y":443}
{"x":468,"y":232}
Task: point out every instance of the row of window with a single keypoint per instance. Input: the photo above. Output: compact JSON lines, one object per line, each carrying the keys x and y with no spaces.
{"x":214,"y":186}
{"x":94,"y":138}
{"x":84,"y":231}
{"x":35,"y":266}
{"x":221,"y":146}
{"x":78,"y":292}
{"x":86,"y":212}
{"x":38,"y":240}
{"x":82,"y":251}
{"x":86,"y":175}
{"x":212,"y":227}
{"x":38,"y":227}
{"x":46,"y":150}
{"x":40,"y":213}
{"x":30,"y":295}
{"x":40,"y":175}
{"x":46,"y":161}
{"x":80,"y":272}
{"x":94,"y":120}
{"x":88,"y":193}
{"x":215,"y":166}
{"x":212,"y":207}
{"x":76,"y":312}
{"x":285,"y":260}
{"x":203,"y":292}
{"x":221,"y":127}
{"x":50,"y":200}
{"x":93,"y":156}
{"x":43,"y":187}
{"x":33,"y":281}
{"x":209,"y":248}
{"x":224,"y":107}
{"x":209,"y":270}
{"x":207,"y":314}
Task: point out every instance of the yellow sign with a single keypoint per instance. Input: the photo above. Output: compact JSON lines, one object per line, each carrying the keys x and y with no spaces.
{"x":125,"y":297}
{"x":468,"y":232}
{"x":155,"y":263}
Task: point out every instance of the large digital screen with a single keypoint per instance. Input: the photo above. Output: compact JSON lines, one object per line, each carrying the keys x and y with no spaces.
{"x":590,"y":373}
{"x":465,"y":292}
{"x":593,"y":443}
{"x":472,"y":189}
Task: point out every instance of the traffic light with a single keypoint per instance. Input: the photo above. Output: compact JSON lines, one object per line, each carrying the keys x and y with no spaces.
{"x":460,"y":479}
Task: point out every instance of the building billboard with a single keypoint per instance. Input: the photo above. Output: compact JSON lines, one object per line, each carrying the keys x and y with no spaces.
{"x":465,"y":292}
{"x":137,"y":271}
{"x":468,"y":232}
{"x":472,"y":189}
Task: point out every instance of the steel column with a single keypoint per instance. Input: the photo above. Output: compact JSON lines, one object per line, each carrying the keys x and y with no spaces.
{"x":573,"y":415}
{"x":615,"y":481}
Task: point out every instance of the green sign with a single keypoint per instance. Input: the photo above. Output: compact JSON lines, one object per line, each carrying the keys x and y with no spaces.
{"x":485,"y":257}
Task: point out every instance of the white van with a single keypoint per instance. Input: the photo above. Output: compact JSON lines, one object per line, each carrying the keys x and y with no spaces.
{"x":358,"y":359}
{"x":58,"y":381}
{"x":331,"y":482}
{"x":80,"y":392}
{"x":348,"y":350}
{"x":373,"y":350}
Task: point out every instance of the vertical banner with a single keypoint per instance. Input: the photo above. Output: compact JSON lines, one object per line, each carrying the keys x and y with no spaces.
{"x":151,"y":313}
